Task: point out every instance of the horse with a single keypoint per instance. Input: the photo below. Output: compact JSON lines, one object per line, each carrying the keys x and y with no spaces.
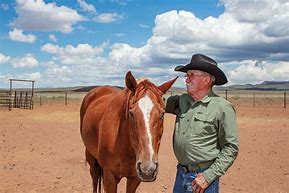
{"x":121,"y":130}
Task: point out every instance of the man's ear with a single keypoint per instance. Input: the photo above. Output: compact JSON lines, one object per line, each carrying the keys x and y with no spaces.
{"x":130,"y":81}
{"x":167,"y":85}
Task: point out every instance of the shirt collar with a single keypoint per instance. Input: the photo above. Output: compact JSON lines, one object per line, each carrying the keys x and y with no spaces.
{"x":206,"y":98}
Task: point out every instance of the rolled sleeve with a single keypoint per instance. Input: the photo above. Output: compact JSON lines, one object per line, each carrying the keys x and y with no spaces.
{"x":171,"y":104}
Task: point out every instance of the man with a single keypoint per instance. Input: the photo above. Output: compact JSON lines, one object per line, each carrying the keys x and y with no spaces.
{"x":205,"y":139}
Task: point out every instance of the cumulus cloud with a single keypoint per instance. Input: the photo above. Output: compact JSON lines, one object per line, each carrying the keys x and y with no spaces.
{"x":82,"y":53}
{"x":17,"y":35}
{"x":244,"y":31}
{"x":28,"y":61}
{"x":4,"y":59}
{"x":250,"y":41}
{"x":257,"y":71}
{"x":86,"y":7}
{"x":108,"y":17}
{"x":41,"y":16}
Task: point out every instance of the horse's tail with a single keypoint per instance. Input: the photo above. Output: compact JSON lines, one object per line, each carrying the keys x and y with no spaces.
{"x":96,"y":172}
{"x":98,"y":177}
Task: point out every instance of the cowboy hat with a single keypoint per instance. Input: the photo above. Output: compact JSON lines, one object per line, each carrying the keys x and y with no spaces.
{"x":206,"y":64}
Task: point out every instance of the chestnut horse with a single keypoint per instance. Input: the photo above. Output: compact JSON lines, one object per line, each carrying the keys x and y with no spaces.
{"x":121,"y":131}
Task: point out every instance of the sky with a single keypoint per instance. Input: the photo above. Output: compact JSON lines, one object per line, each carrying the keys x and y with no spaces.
{"x":95,"y":42}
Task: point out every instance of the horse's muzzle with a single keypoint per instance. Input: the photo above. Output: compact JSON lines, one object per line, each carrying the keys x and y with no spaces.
{"x":147,"y":172}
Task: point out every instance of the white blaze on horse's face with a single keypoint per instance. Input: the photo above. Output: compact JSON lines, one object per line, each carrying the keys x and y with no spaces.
{"x":146,"y":105}
{"x":147,"y":166}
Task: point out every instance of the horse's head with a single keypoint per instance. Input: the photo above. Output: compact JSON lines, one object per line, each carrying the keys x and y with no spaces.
{"x":146,"y":114}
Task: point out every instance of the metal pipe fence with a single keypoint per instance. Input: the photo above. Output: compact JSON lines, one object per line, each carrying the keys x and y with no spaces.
{"x":242,"y":98}
{"x":251,"y":98}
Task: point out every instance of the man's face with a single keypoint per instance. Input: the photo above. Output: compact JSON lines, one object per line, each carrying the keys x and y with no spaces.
{"x":195,"y":81}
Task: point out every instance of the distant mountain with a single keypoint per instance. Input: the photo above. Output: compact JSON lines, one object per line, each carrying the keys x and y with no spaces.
{"x":274,"y":82}
{"x":266,"y":86}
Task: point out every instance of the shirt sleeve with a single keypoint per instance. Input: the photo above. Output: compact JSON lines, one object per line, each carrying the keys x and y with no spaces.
{"x":228,"y":144}
{"x":171,"y":104}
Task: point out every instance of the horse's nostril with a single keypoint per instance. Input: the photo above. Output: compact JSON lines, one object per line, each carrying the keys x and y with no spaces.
{"x":157,"y":165}
{"x":138,"y":166}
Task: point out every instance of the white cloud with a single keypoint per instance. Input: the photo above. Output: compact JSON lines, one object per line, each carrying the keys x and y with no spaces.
{"x":17,"y":35}
{"x":255,"y":72}
{"x":52,"y":38}
{"x":35,"y":76}
{"x":4,"y":59}
{"x":108,"y":17}
{"x":82,"y":53}
{"x":39,"y":16}
{"x":28,"y":61}
{"x":86,"y":7}
{"x":247,"y":33}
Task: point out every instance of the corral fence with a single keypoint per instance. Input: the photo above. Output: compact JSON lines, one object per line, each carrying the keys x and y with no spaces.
{"x":4,"y":99}
{"x":17,"y":99}
{"x":256,"y":98}
{"x":63,"y":98}
{"x":252,"y":98}
{"x":241,"y":98}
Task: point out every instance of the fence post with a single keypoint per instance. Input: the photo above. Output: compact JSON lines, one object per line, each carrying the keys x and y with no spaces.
{"x":26,"y":101}
{"x":40,"y":101}
{"x":226,"y":94}
{"x":284,"y":99}
{"x":65,"y":98}
{"x":10,"y":97}
{"x":15,"y":99}
{"x":254,"y":100}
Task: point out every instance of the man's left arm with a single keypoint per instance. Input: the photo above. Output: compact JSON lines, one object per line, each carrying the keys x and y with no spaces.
{"x":228,"y":142}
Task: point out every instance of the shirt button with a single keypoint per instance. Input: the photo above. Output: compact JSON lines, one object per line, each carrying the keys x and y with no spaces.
{"x":188,"y":120}
{"x":183,"y":132}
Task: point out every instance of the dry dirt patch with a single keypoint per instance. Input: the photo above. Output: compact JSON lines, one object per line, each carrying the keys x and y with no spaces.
{"x":41,"y":151}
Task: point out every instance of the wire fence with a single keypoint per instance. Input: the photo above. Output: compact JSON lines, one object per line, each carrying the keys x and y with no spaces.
{"x":241,"y":98}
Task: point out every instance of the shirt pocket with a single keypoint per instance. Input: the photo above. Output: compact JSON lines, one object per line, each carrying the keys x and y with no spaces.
{"x":203,"y":124}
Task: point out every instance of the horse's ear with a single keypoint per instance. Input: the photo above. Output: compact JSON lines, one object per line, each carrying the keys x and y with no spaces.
{"x":167,"y":85}
{"x":130,"y":81}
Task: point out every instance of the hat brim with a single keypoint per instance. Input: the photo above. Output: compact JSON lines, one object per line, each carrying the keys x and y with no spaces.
{"x":209,"y":68}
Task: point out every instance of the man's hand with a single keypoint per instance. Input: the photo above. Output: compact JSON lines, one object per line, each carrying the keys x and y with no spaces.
{"x":199,"y":184}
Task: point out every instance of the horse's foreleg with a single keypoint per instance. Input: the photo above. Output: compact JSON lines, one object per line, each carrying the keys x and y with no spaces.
{"x":132,"y":184}
{"x":109,"y":181}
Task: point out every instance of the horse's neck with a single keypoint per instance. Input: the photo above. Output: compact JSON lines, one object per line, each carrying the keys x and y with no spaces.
{"x":124,"y":129}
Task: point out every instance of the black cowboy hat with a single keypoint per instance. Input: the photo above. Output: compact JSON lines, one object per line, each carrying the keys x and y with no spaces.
{"x":204,"y":63}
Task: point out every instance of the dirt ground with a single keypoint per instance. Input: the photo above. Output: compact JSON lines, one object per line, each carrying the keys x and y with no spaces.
{"x":41,"y":151}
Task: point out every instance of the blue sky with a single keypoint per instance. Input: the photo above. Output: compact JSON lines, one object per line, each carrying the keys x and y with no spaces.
{"x":84,"y":42}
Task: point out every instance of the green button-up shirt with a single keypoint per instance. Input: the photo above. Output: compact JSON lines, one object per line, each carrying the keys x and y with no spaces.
{"x":205,"y":130}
